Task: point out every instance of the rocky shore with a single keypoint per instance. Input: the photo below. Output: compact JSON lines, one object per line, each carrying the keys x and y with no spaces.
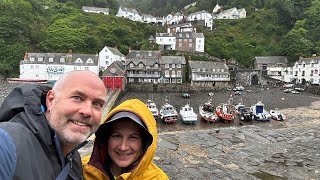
{"x":261,"y":150}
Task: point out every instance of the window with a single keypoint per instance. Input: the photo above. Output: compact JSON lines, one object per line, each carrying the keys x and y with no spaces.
{"x":107,"y":57}
{"x":185,"y":40}
{"x":156,"y":66}
{"x":311,"y":74}
{"x":199,"y":41}
{"x":166,"y":73}
{"x":178,"y":65}
{"x":106,"y":50}
{"x":180,"y":35}
{"x":62,"y":60}
{"x":199,"y":46}
{"x":187,"y":35}
{"x":51,"y":59}
{"x":180,"y":45}
{"x":131,"y":65}
{"x":190,"y":45}
{"x":107,"y":63}
{"x":166,"y":65}
{"x":173,"y":80}
{"x":190,"y":40}
{"x":303,"y":73}
{"x":40,"y":59}
{"x":173,"y":73}
{"x":178,"y":73}
{"x":140,"y":65}
{"x":180,"y":40}
{"x":31,"y":58}
{"x":173,"y":66}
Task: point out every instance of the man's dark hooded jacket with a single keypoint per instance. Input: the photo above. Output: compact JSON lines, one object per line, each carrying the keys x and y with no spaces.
{"x":30,"y":149}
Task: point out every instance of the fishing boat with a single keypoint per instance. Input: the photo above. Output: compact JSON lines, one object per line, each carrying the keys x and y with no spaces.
{"x":260,"y":114}
{"x":168,"y":113}
{"x":276,"y":115}
{"x":226,"y":111}
{"x":206,"y":112}
{"x":187,"y":114}
{"x":153,"y":108}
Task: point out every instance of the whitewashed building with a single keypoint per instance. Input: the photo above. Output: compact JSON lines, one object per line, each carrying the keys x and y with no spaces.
{"x":201,"y":16}
{"x":148,"y":18}
{"x":50,"y":66}
{"x":208,"y":73}
{"x":174,"y":18}
{"x":232,"y":13}
{"x":181,"y":37}
{"x":303,"y":71}
{"x":108,"y":55}
{"x":95,"y":10}
{"x":129,"y":13}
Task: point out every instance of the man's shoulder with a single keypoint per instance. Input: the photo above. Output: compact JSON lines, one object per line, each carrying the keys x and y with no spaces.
{"x":8,"y":156}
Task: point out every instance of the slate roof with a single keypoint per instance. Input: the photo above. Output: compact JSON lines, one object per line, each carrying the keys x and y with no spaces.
{"x":69,"y":58}
{"x":115,"y":51}
{"x":95,"y":9}
{"x":148,"y":58}
{"x":271,"y":60}
{"x":173,"y":60}
{"x":207,"y":65}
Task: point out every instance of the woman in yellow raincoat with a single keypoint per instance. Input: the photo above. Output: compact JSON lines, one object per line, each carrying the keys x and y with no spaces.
{"x":125,"y":145}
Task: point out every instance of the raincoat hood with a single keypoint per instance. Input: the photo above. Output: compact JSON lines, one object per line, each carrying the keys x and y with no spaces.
{"x":94,"y":165}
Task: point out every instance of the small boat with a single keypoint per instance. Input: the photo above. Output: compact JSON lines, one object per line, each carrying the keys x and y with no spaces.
{"x":206,"y":111}
{"x":187,"y":114}
{"x":260,"y":114}
{"x":153,"y":108}
{"x":246,"y":114}
{"x":168,"y":113}
{"x":276,"y":115}
{"x":226,"y":111}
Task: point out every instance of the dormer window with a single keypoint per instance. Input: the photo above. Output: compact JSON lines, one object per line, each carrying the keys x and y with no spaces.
{"x":79,"y":61}
{"x":140,"y":65}
{"x":31,"y":58}
{"x":89,"y":61}
{"x":51,"y":59}
{"x":40,"y":59}
{"x":131,"y":65}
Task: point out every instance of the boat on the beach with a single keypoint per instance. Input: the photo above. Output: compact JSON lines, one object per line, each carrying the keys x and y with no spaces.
{"x":259,"y":112}
{"x":168,"y":113}
{"x":187,"y":114}
{"x":153,"y":108}
{"x":276,"y":115}
{"x":206,"y":112}
{"x":226,"y":111}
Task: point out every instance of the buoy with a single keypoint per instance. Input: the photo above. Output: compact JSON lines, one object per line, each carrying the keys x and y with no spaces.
{"x":282,"y":99}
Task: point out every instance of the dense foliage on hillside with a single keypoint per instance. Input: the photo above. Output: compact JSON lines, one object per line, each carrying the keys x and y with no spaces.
{"x":272,"y":27}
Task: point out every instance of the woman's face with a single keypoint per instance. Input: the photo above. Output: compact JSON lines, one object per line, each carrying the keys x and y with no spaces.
{"x":125,"y":143}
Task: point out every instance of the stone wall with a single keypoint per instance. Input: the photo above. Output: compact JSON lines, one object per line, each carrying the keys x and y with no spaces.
{"x":174,"y":88}
{"x":313,"y":89}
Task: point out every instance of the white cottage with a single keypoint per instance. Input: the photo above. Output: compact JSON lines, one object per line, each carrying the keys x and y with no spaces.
{"x":201,"y":16}
{"x":129,"y":13}
{"x":50,"y":66}
{"x":108,"y":55}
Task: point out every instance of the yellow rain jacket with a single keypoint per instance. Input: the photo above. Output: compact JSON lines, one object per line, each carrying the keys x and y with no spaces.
{"x":145,"y":169}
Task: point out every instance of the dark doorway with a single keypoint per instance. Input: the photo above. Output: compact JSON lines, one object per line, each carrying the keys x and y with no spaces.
{"x":254,"y":80}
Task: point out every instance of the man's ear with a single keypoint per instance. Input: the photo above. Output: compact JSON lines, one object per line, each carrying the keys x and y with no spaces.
{"x":49,"y":99}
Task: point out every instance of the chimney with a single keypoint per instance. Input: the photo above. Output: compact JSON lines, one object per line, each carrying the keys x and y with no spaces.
{"x":26,"y":56}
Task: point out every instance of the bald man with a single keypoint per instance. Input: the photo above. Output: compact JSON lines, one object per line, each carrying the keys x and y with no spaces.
{"x":41,"y":128}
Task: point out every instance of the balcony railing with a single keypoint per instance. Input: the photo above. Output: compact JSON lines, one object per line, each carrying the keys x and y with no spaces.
{"x":144,"y":75}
